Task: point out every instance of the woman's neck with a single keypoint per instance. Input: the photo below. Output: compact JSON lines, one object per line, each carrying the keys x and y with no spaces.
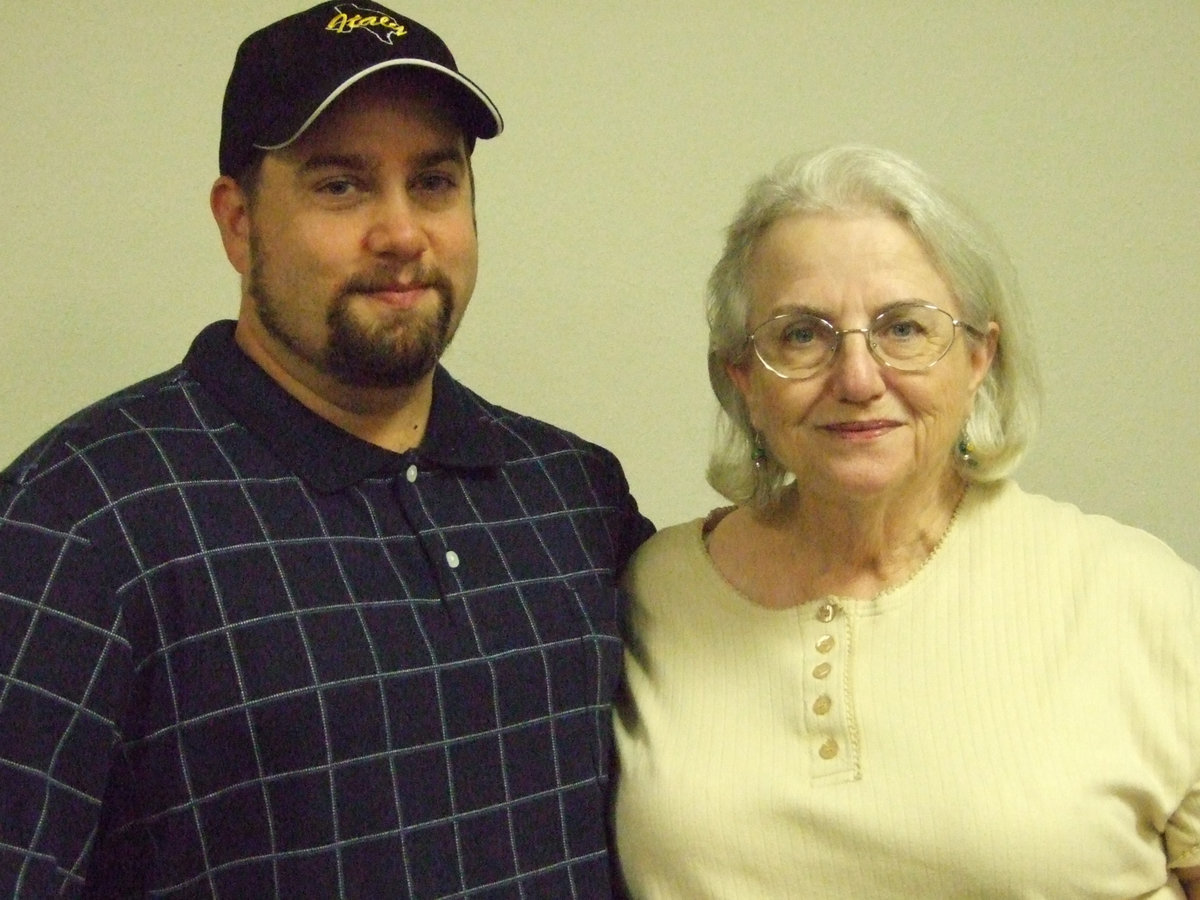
{"x":806,"y":546}
{"x":879,"y":537}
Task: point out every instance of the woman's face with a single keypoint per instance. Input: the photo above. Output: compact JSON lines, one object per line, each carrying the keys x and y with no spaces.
{"x":857,"y":430}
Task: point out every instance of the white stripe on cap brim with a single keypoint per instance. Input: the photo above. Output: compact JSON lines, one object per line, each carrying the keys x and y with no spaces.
{"x":354,"y":79}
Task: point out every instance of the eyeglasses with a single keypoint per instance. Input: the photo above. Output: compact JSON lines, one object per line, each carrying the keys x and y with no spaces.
{"x":908,"y":336}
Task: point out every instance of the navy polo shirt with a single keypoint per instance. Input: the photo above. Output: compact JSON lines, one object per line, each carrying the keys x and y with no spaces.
{"x":245,"y":654}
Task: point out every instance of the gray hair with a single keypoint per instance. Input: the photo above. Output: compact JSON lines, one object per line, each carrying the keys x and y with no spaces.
{"x":852,"y":179}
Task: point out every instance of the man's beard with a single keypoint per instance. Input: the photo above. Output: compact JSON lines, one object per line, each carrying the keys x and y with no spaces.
{"x":394,"y":353}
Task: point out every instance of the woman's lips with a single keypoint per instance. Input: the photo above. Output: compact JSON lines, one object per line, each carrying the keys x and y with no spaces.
{"x":862,"y":430}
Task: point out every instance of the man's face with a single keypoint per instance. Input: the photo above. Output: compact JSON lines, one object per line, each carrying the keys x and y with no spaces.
{"x":362,"y":245}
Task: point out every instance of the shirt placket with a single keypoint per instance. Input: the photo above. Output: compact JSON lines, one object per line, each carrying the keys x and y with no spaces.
{"x":829,"y":729}
{"x":444,"y":559}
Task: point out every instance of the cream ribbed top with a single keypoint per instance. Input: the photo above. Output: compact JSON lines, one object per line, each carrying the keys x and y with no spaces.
{"x":1020,"y":719}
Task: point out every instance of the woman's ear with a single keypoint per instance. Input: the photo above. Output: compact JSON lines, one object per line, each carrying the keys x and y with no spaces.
{"x":739,"y":374}
{"x":983,"y":353}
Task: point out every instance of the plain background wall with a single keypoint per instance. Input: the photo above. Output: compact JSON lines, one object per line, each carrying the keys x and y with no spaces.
{"x":633,"y":129}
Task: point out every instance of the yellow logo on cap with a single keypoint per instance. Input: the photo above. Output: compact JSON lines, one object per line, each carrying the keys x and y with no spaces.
{"x":381,"y":25}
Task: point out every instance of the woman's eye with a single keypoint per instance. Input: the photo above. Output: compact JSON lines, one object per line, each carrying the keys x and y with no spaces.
{"x":903,"y":329}
{"x":804,"y":331}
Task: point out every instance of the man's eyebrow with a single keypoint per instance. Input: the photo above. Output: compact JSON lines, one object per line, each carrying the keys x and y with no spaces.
{"x":444,"y":155}
{"x":354,"y":162}
{"x":349,"y":161}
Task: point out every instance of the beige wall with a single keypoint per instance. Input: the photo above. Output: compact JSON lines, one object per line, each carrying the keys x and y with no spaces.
{"x":633,"y":128}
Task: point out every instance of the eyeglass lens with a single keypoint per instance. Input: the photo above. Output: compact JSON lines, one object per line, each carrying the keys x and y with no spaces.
{"x":909,"y":337}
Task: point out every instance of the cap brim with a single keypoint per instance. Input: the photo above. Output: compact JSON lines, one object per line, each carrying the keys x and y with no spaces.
{"x":480,"y":116}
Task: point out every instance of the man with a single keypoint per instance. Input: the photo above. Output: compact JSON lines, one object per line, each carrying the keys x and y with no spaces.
{"x":303,"y":616}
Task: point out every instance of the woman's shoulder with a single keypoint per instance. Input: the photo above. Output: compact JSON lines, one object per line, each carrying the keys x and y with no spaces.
{"x":1041,"y":526}
{"x":674,"y":557}
{"x":682,"y":538}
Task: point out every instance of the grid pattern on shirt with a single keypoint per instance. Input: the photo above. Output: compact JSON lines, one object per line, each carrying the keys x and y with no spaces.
{"x":217,"y":680}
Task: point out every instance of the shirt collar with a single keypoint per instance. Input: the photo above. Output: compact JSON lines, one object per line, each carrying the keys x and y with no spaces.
{"x":461,"y":433}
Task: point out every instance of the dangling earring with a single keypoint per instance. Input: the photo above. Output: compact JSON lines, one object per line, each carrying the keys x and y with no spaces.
{"x":758,"y":454}
{"x":966,"y":452}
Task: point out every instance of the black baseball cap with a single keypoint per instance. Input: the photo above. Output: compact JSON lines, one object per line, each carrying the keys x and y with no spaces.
{"x":287,"y":74}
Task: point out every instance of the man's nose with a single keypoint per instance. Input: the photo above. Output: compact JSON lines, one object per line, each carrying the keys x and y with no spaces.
{"x":395,"y":227}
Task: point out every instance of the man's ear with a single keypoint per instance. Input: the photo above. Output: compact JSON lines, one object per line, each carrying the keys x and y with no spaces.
{"x":231,"y":210}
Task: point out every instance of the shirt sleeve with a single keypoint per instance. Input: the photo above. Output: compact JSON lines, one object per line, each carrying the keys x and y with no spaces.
{"x":633,"y":528}
{"x":1183,"y":833}
{"x":1183,"y":828}
{"x":64,"y":664}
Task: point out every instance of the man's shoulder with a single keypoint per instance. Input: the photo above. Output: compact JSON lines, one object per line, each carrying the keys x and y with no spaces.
{"x":111,"y":439}
{"x":523,"y":435}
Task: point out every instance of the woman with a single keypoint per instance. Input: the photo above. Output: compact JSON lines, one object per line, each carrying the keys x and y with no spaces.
{"x":887,"y":671}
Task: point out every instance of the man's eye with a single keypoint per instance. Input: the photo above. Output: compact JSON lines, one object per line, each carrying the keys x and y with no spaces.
{"x":336,"y":187}
{"x":435,"y":182}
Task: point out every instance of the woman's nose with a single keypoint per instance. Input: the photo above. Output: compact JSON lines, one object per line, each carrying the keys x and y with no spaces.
{"x":856,"y":369}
